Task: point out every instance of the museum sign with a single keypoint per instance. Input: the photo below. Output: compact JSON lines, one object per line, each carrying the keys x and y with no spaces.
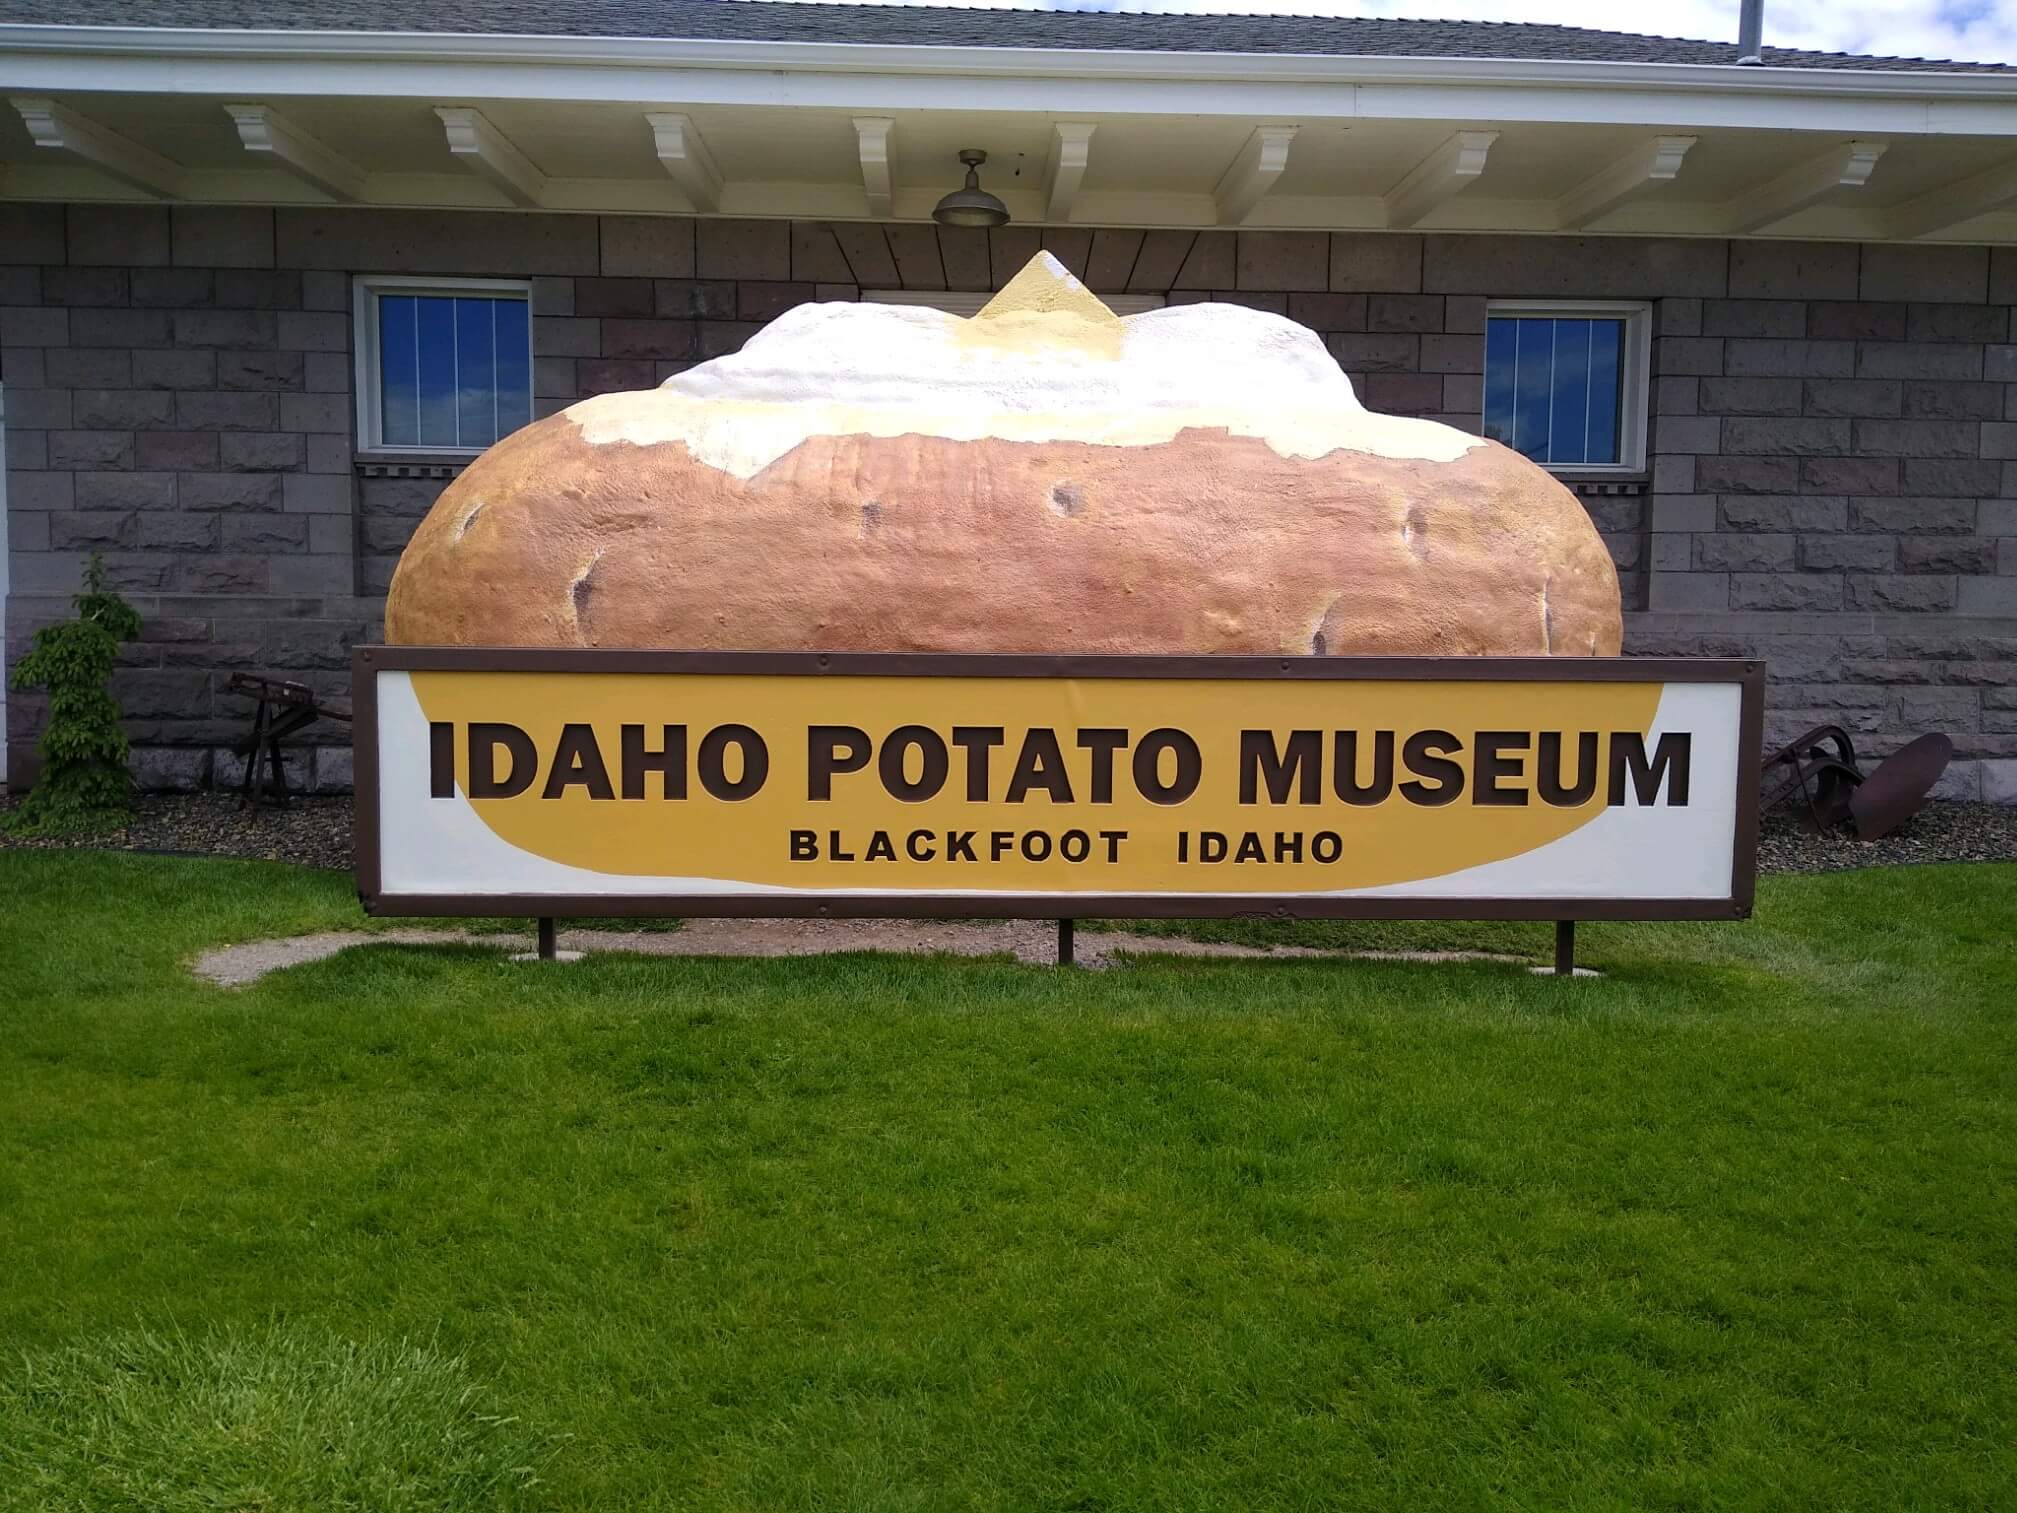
{"x":555,"y":782}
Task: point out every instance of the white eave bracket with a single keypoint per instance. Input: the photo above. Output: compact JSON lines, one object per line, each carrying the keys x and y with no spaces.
{"x":685,"y":158}
{"x":60,"y":129}
{"x":1253,"y":172}
{"x":488,"y":153}
{"x":872,"y":141}
{"x":1443,"y":174}
{"x":1846,"y":166}
{"x":1638,"y":173}
{"x":263,"y":129}
{"x":1071,"y":150}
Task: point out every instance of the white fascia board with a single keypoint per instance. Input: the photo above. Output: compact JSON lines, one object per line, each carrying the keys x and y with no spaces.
{"x":1676,"y":108}
{"x":373,"y":48}
{"x":878,"y":78}
{"x":863,"y":93}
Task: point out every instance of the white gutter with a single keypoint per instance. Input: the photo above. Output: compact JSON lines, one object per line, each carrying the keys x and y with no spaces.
{"x":411,"y":65}
{"x":1039,"y":62}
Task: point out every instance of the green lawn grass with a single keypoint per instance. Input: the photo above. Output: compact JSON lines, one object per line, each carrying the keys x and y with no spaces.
{"x":418,"y":1228}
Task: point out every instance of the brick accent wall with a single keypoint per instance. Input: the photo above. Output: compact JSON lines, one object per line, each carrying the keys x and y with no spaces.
{"x":1828,"y":485}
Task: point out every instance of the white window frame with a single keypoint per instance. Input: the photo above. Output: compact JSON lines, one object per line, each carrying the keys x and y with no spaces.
{"x":1634,"y":376}
{"x":365,"y":289}
{"x":971,"y":303}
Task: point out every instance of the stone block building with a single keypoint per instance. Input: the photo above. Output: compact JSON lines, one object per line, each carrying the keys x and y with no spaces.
{"x":1800,"y":440}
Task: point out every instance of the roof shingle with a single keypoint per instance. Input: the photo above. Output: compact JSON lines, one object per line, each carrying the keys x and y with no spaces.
{"x":937,"y":26}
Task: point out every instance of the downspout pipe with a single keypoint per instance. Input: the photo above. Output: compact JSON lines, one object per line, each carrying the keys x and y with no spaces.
{"x":1751,"y":33}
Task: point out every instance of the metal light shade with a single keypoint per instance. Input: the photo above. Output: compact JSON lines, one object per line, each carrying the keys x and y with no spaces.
{"x":971,"y":205}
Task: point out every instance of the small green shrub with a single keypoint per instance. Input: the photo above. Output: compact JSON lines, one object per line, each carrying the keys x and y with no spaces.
{"x":83,"y":785}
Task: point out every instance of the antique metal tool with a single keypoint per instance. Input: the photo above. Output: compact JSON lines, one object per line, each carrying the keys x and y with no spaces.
{"x":1820,"y":770}
{"x":283,"y":709}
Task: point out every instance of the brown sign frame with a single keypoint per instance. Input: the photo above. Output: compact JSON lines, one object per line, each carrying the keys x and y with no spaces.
{"x":368,"y":661}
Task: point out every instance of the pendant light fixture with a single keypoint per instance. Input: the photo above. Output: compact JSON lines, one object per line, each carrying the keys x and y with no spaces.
{"x":971,"y":205}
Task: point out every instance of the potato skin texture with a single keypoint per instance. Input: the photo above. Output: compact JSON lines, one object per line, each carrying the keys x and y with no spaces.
{"x":1208,"y":543}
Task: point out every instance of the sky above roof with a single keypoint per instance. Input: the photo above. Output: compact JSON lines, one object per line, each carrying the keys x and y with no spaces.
{"x":1981,"y":31}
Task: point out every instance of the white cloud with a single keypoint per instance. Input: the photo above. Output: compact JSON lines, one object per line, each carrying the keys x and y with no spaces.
{"x":1978,"y":30}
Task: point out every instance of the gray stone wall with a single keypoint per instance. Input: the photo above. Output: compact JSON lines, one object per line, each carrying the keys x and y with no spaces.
{"x":1831,"y":491}
{"x":1828,"y":485}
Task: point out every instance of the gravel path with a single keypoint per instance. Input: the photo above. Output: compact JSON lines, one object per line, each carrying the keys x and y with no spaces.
{"x":1033,"y":942}
{"x":316,"y":833}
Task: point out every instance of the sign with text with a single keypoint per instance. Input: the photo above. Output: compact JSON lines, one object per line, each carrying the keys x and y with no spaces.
{"x":572,"y":782}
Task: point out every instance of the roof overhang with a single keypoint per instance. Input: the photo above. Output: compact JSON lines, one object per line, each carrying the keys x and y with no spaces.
{"x":1175,"y":139}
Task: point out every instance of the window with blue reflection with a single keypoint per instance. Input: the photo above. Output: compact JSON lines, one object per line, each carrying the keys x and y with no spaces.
{"x":454,"y":370}
{"x":1554,"y":387}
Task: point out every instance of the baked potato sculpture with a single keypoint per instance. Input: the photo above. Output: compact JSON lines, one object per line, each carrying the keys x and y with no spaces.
{"x":1044,"y":477}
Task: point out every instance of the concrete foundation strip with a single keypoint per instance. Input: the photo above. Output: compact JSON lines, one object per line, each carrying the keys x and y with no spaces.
{"x":1033,"y":942}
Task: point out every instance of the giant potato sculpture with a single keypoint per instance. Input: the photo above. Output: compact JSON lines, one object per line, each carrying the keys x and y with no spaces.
{"x":1046,"y":477}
